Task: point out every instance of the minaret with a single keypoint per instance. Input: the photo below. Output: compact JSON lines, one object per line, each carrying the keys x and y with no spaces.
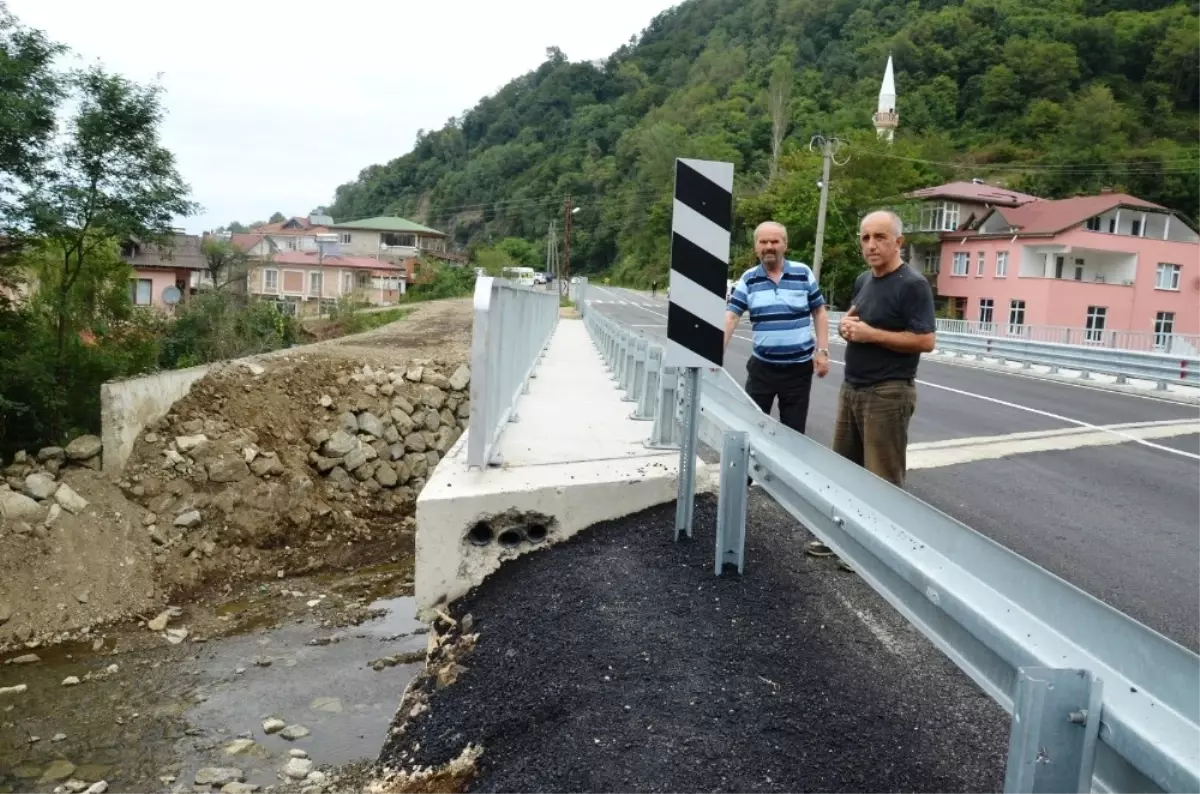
{"x":886,"y":118}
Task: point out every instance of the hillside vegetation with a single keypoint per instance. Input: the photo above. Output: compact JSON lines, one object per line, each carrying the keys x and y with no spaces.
{"x":1055,"y":97}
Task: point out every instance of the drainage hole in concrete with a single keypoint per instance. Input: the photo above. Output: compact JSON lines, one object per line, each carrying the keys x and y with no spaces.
{"x":480,"y":534}
{"x":509,"y":539}
{"x":536,"y":533}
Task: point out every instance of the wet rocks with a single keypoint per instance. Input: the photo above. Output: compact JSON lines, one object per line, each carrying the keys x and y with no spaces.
{"x":40,"y":486}
{"x":294,"y":732}
{"x":28,"y":658}
{"x":298,"y":768}
{"x":13,"y":690}
{"x":71,"y":680}
{"x":273,"y":725}
{"x":218,"y":776}
{"x":18,"y":507}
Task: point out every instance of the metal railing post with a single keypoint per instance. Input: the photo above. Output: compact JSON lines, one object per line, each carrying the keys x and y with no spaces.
{"x":685,"y":499}
{"x":1055,"y":728}
{"x":639,"y":371}
{"x":665,"y":432}
{"x":647,"y":399}
{"x":731,"y":501}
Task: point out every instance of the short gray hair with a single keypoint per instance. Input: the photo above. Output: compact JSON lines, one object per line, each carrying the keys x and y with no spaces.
{"x":764,"y":224}
{"x":897,"y":223}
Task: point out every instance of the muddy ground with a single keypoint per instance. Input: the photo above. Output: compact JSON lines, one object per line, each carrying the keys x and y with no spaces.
{"x":252,"y":561}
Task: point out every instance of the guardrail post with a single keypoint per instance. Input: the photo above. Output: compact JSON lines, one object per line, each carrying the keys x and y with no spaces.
{"x":619,"y":357}
{"x":639,"y":371}
{"x":665,"y":433}
{"x":627,"y":373}
{"x":647,"y":399}
{"x":731,"y":501}
{"x":685,"y":497}
{"x":1055,"y":728}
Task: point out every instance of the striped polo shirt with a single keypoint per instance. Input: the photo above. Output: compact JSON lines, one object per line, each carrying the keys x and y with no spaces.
{"x":780,"y":314}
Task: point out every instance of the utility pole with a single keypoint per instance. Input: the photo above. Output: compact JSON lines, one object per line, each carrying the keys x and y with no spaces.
{"x":565,"y":286}
{"x":829,"y":147}
{"x":553,"y":266}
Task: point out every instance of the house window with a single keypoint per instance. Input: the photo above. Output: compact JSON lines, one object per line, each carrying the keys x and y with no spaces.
{"x":1001,"y":264}
{"x":345,"y":238}
{"x":314,"y":283}
{"x":980,"y":264}
{"x":1079,"y":270}
{"x":347,"y":281}
{"x":939,"y":216}
{"x":1093,"y":224}
{"x":407,"y":240}
{"x":1095,"y":322}
{"x":1168,"y":276}
{"x":986,"y":308}
{"x":1135,"y":228}
{"x":141,"y":291}
{"x":1016,"y":316}
{"x":270,"y":281}
{"x":933,"y":262}
{"x":1164,"y":327}
{"x":364,"y":280}
{"x":962,"y":261}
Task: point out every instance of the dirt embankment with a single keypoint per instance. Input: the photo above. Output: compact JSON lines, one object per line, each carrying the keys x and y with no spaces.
{"x":304,"y":462}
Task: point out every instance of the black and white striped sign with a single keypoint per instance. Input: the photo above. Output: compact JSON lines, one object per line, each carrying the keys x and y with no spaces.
{"x":701,"y":221}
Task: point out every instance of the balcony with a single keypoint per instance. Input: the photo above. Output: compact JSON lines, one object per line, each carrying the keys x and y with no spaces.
{"x":1080,"y":265}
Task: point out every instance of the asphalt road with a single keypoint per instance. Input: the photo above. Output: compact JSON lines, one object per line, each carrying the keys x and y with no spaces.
{"x":1119,"y":520}
{"x":617,"y":662}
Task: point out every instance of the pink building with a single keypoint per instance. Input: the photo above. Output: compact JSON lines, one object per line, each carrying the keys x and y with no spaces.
{"x":1106,"y":262}
{"x":165,"y":275}
{"x":310,"y":281}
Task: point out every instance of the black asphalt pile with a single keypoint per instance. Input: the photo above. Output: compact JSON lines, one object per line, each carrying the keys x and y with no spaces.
{"x":616,"y":661}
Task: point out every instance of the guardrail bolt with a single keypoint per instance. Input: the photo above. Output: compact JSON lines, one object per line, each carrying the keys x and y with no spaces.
{"x":1079,"y":717}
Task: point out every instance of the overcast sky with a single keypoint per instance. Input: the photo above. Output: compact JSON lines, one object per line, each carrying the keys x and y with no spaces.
{"x":272,"y":105}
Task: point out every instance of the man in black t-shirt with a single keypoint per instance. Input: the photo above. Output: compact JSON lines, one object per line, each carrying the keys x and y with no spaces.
{"x":889,"y":325}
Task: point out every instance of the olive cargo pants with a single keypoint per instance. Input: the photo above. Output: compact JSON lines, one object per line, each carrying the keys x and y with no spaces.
{"x":872,"y":426}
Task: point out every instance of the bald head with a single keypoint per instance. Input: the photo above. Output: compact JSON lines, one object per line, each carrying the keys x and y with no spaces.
{"x":881,"y":234}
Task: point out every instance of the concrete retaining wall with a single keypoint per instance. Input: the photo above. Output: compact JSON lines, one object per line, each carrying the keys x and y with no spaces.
{"x":128,"y":406}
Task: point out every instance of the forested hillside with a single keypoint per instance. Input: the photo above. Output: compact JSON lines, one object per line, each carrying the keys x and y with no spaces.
{"x":1054,"y":97}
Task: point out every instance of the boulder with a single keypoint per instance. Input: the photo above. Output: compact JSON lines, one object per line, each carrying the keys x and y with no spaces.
{"x":348,"y":422}
{"x":84,"y":448}
{"x":385,"y":475}
{"x":433,"y":397}
{"x":414,"y":374}
{"x":51,"y":453}
{"x":228,"y":470}
{"x":403,"y":404}
{"x":369,"y":423}
{"x":355,"y":458}
{"x":340,"y":444}
{"x":431,"y":378}
{"x":40,"y":486}
{"x":433,"y":420}
{"x":267,"y":465}
{"x":18,"y":507}
{"x":326,"y":465}
{"x":461,"y":378}
{"x":69,"y":500}
{"x":403,"y":422}
{"x":189,"y":443}
{"x":415,"y":442}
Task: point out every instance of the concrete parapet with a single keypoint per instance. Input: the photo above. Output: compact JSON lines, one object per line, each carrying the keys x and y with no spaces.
{"x":128,"y":406}
{"x":572,"y":459}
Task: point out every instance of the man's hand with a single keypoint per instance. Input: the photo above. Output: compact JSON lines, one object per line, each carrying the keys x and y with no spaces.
{"x":848,"y":318}
{"x":821,"y":364}
{"x":855,"y":330}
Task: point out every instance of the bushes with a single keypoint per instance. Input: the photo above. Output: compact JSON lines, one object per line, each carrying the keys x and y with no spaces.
{"x":218,"y":325}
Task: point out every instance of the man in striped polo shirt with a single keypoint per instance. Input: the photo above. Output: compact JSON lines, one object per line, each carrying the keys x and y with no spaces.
{"x":791,"y":327}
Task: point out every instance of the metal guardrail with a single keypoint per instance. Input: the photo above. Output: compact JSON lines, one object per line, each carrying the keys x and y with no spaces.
{"x":1099,"y":700}
{"x":1162,"y":368}
{"x":1146,"y":341}
{"x":512,"y":328}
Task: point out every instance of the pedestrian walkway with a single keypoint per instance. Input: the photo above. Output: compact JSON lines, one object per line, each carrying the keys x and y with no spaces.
{"x":572,"y":458}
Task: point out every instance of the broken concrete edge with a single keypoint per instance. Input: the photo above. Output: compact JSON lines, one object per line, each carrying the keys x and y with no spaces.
{"x":469,"y":523}
{"x":129,"y":405}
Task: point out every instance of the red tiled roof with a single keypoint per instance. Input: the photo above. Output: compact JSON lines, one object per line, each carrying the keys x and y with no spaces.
{"x":309,"y":259}
{"x":975,"y":191}
{"x":246,"y":241}
{"x":1051,"y":217}
{"x":277,"y":229}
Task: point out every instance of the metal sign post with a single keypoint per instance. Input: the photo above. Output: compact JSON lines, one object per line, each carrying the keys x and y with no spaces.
{"x":701,"y":221}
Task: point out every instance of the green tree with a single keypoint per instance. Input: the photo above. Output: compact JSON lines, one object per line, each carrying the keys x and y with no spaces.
{"x":226,"y":262}
{"x":277,"y":217}
{"x":110,"y":178}
{"x":521,"y":252}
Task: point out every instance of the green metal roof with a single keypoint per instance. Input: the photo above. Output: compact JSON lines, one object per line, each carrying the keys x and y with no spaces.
{"x":387,"y":223}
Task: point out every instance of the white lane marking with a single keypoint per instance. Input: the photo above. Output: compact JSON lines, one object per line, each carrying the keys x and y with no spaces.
{"x":951,"y":452}
{"x":1018,"y":407}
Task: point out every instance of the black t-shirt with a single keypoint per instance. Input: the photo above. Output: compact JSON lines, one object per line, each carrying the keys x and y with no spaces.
{"x":900,"y":301}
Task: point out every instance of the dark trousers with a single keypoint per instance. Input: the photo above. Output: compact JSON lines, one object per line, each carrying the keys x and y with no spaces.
{"x":872,"y":426}
{"x":790,"y":383}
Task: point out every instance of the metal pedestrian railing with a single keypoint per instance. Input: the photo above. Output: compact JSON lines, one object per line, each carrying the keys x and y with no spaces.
{"x":1099,"y":701}
{"x":512,"y":328}
{"x":1162,"y":368}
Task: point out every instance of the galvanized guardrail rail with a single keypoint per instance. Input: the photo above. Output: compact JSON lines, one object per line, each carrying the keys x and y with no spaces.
{"x":1099,"y":701}
{"x":1187,"y":345}
{"x":1162,"y":368}
{"x":512,"y":328}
